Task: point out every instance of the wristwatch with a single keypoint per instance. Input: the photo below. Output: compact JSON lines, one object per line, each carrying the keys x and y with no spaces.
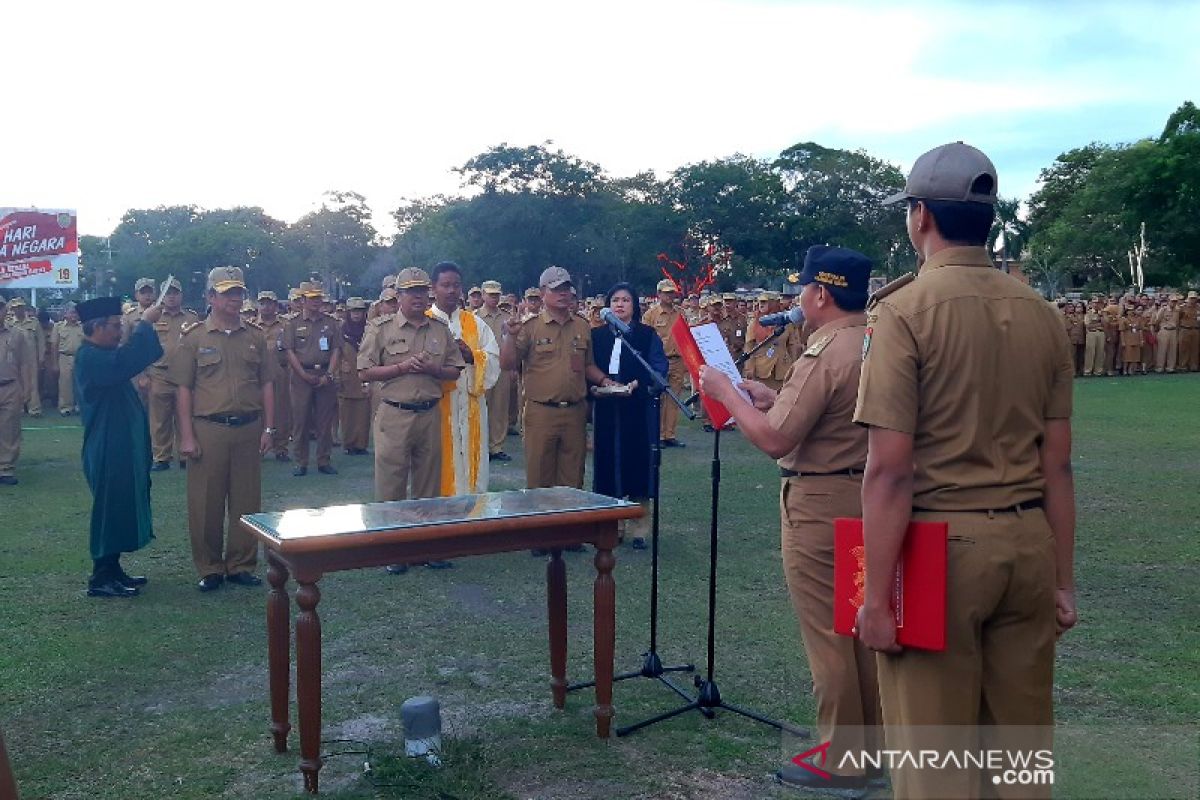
{"x":269,"y":431}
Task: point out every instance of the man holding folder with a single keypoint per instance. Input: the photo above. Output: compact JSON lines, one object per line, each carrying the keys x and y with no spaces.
{"x":808,"y":426}
{"x":966,"y":394}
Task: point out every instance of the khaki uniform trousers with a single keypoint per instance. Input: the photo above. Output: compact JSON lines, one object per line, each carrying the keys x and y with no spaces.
{"x":843,"y":670}
{"x":1167,"y":350}
{"x":11,"y":400}
{"x":1093,"y":357}
{"x":162,"y":416}
{"x":498,"y":398}
{"x":669,"y":416}
{"x":283,"y":412}
{"x":354,"y":419}
{"x":407,"y":444}
{"x":223,"y":484}
{"x":66,"y":381}
{"x":998,"y":665}
{"x":555,"y":445}
{"x":313,"y":409}
{"x":1189,"y":349}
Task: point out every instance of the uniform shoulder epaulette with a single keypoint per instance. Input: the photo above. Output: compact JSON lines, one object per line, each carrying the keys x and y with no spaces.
{"x":382,"y":318}
{"x":890,"y":288}
{"x":254,"y":323}
{"x":188,"y":327}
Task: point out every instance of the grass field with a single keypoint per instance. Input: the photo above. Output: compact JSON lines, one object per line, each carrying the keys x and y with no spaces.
{"x":165,"y":696}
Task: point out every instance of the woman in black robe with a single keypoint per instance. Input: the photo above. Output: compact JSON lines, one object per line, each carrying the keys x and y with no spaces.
{"x":626,"y":425}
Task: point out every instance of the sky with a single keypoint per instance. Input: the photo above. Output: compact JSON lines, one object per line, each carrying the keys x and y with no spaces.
{"x":121,"y":104}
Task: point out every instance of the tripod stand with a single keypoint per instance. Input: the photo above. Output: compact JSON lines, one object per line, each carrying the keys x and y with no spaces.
{"x":652,"y":666}
{"x":708,"y":696}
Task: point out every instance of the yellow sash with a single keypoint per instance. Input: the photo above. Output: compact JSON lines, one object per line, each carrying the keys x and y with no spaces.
{"x":470,"y":335}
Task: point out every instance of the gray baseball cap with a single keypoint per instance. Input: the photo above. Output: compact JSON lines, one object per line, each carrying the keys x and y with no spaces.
{"x":553,"y":277}
{"x":955,"y":172}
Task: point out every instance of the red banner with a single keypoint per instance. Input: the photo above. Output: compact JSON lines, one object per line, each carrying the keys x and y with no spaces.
{"x":36,"y":234}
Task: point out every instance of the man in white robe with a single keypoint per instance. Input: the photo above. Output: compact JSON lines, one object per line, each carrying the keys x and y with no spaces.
{"x":464,"y":403}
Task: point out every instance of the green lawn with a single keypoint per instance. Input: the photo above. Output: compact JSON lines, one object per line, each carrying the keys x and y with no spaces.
{"x":165,"y":696}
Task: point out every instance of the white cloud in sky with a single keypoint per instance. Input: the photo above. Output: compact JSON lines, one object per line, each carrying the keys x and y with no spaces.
{"x":132,"y":104}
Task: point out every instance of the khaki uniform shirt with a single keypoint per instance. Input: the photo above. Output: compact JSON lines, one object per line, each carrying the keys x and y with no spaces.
{"x":773,"y":361}
{"x":495,"y":320}
{"x":1093,"y":321}
{"x":971,"y":362}
{"x":273,"y":332}
{"x":554,"y":357}
{"x":815,"y":406}
{"x":393,"y":339}
{"x":17,"y":359}
{"x":1167,"y":318}
{"x":66,"y":338}
{"x":1189,"y":315}
{"x":32,"y":329}
{"x":169,"y":328}
{"x":313,"y":340}
{"x":226,"y":370}
{"x":1132,"y":329}
{"x":662,"y":320}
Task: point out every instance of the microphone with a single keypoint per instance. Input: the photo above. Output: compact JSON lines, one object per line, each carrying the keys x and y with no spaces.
{"x":793,"y":316}
{"x":614,"y":322}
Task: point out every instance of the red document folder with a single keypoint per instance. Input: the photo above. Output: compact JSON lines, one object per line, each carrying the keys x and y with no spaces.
{"x":919,"y":594}
{"x":718,"y":415}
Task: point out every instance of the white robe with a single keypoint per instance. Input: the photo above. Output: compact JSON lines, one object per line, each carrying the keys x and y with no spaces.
{"x":460,"y":434}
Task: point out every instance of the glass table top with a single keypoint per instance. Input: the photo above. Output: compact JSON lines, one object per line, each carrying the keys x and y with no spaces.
{"x":309,"y":523}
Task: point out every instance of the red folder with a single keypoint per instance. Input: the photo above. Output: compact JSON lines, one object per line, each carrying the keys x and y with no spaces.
{"x":718,"y":415}
{"x":919,"y":593}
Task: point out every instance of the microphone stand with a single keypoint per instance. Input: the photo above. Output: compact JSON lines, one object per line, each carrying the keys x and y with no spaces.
{"x":708,"y":696}
{"x":652,"y":666}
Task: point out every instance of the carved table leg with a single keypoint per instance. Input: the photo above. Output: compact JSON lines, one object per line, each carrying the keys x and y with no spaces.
{"x":279,"y":649}
{"x":556,"y":605}
{"x":308,"y":681}
{"x":605,"y":631}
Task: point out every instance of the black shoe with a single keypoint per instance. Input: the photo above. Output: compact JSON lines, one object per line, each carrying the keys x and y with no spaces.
{"x":356,"y":451}
{"x":396,"y":569}
{"x":538,"y":552}
{"x":326,"y":469}
{"x":299,"y":472}
{"x":133,"y":581}
{"x":672,"y":443}
{"x":210,"y":582}
{"x":282,"y":457}
{"x":8,"y":480}
{"x":638,"y":543}
{"x":111,"y":588}
{"x":709,"y":428}
{"x":244,"y":579}
{"x":800,"y":778}
{"x":439,"y":565}
{"x":160,"y":466}
{"x":500,"y":455}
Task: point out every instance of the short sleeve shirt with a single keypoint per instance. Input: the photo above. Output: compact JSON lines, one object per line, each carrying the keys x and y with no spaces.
{"x":226,"y":370}
{"x":662,"y":320}
{"x":971,"y":362}
{"x":815,"y":406}
{"x":554,"y":357}
{"x":395,"y":339}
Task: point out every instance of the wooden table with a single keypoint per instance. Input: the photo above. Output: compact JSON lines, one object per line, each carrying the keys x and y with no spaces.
{"x":308,"y":543}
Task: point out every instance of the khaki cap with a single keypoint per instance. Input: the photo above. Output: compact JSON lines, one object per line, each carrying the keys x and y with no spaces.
{"x":491,"y":287}
{"x":17,"y":302}
{"x":222,"y":279}
{"x":312,"y":289}
{"x":389,"y":293}
{"x":143,"y":283}
{"x":411,"y":278}
{"x":267,"y":295}
{"x":553,"y":277}
{"x":388,"y":281}
{"x":730,"y":297}
{"x":950,"y":172}
{"x":1193,"y":296}
{"x":172,"y":282}
{"x":356,"y":304}
{"x":532,"y":292}
{"x":666,"y":285}
{"x":249,"y":307}
{"x":474,"y":290}
{"x":293,"y":294}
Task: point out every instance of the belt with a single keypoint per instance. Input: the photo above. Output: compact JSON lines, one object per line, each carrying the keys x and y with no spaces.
{"x":422,"y":406}
{"x":232,"y":420}
{"x":1168,"y":327}
{"x":1028,"y":505}
{"x":315,"y":367}
{"x":558,"y":403}
{"x":784,"y":472}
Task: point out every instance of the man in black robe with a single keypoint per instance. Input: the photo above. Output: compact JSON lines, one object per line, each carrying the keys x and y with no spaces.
{"x":116,"y":439}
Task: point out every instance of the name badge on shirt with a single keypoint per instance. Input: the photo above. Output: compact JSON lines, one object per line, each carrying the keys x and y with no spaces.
{"x":323,"y":343}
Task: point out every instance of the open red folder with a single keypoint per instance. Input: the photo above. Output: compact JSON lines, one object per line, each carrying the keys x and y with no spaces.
{"x":919,"y":593}
{"x":718,"y":415}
